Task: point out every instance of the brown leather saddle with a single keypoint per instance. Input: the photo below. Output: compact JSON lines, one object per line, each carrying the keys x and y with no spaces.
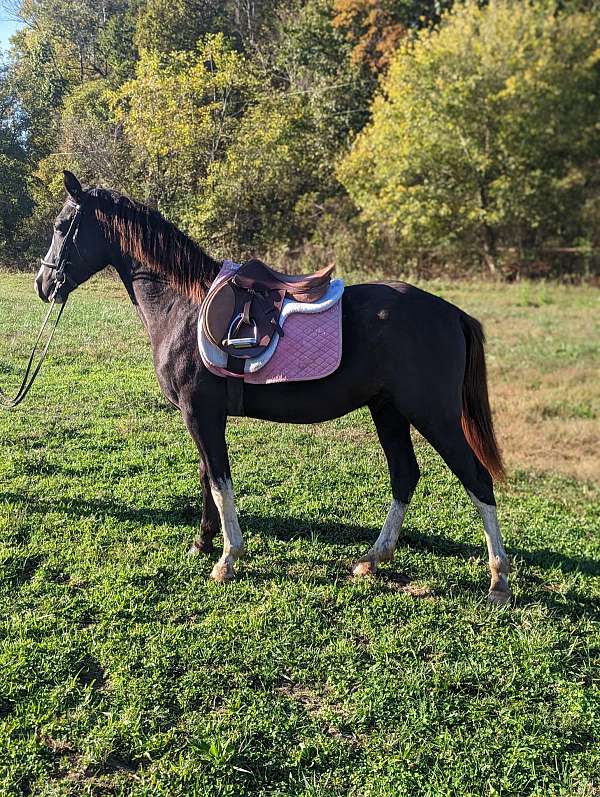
{"x":241,"y":315}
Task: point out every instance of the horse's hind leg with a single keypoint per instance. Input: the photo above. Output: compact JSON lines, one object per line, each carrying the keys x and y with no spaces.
{"x":393,"y":431}
{"x":449,"y":441}
{"x":499,"y":589}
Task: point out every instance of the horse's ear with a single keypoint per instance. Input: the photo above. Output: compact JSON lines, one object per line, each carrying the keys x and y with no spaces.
{"x":73,"y":186}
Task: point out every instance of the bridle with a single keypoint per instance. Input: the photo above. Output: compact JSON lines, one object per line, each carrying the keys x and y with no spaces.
{"x":63,"y":259}
{"x":62,"y":276}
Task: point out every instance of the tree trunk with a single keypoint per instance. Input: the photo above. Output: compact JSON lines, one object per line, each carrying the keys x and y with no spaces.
{"x":490,"y":248}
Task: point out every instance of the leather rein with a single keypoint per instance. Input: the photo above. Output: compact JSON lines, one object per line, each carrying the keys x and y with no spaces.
{"x":62,"y":277}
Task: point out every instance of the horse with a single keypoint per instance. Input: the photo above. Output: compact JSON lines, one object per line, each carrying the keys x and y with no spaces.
{"x":412,"y":358}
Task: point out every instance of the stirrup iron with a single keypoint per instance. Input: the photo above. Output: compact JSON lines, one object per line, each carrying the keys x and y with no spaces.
{"x":240,"y":343}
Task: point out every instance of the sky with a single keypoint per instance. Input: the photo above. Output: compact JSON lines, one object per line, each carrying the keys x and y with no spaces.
{"x":7,"y":28}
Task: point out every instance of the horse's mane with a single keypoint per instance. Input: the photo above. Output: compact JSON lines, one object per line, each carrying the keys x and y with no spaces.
{"x":147,"y":237}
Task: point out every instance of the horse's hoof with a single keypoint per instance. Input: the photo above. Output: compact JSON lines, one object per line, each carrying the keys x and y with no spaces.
{"x":222,"y":573}
{"x":366,"y":568}
{"x":497,"y":597}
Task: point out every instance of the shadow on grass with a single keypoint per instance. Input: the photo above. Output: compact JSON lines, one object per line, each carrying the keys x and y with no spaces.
{"x":543,"y":557}
{"x":288,"y":528}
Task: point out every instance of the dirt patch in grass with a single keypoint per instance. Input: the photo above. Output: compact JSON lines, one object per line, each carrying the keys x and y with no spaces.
{"x":308,"y":698}
{"x":550,"y":422}
{"x":543,"y":357}
{"x":322,"y":708}
{"x":402,"y":583}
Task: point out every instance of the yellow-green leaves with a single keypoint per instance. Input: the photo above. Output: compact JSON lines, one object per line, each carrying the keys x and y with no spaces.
{"x":180,"y":112}
{"x":477,"y":128}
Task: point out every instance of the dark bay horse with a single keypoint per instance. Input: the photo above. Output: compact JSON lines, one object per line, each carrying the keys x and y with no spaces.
{"x":411,"y":357}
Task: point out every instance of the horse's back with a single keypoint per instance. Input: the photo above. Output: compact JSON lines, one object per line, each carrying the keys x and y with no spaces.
{"x":401,"y":310}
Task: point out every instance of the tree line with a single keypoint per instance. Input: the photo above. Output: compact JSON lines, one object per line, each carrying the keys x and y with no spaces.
{"x":384,"y":134}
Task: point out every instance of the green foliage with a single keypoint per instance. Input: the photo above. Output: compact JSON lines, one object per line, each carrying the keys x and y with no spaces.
{"x":241,"y":163}
{"x":73,"y":31}
{"x":486,"y":132}
{"x":117,"y":42}
{"x":174,"y":25}
{"x":179,"y":115}
{"x":313,"y":57}
{"x":90,"y":145}
{"x":40,"y":87}
{"x":235,"y":118}
{"x":263,"y":191}
{"x":15,"y":198}
{"x":274,"y":189}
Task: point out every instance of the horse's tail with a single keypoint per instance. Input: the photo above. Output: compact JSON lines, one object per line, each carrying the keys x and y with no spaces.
{"x":476,"y":417}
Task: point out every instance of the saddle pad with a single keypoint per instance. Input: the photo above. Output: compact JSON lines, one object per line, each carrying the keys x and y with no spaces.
{"x":311,"y":347}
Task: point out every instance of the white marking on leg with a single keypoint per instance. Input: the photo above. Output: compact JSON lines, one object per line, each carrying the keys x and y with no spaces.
{"x":222,"y":492}
{"x":385,"y":544}
{"x":499,"y":588}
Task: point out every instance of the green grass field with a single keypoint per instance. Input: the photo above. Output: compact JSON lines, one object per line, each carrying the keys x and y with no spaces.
{"x":123,"y":671}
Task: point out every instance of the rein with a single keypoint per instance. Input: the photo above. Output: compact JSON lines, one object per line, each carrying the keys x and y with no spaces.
{"x":6,"y":402}
{"x":62,"y":277}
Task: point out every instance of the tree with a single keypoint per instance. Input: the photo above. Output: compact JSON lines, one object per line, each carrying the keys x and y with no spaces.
{"x":72,"y":29}
{"x":90,"y":143}
{"x":486,"y":132}
{"x":266,"y":190}
{"x":376,"y":27}
{"x":271,"y":177}
{"x":174,"y":25}
{"x":15,"y":197}
{"x":311,"y":55}
{"x":179,"y":114}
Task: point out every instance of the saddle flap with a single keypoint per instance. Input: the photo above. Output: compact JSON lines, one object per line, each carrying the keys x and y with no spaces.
{"x":217,"y":312}
{"x":242,"y":322}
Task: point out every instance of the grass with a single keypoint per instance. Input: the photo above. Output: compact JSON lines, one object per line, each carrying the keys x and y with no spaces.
{"x":123,"y":671}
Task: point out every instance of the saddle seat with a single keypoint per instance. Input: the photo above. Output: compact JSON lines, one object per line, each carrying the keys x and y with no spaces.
{"x":302,"y":288}
{"x":240,"y":314}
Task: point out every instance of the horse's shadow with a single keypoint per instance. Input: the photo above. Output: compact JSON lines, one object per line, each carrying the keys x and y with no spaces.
{"x":287,"y":528}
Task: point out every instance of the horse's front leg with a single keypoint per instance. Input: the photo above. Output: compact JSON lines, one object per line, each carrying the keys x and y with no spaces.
{"x":208,"y":431}
{"x":210,"y":521}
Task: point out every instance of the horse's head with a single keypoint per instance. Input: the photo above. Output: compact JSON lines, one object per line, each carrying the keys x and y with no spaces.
{"x":78,"y":248}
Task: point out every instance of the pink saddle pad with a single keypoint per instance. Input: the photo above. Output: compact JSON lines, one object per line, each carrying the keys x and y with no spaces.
{"x":311,"y":348}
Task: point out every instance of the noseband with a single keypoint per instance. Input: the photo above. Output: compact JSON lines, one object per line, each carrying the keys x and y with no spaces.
{"x":64,"y":253}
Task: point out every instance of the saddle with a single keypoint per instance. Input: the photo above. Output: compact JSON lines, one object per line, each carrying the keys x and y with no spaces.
{"x":241,"y":313}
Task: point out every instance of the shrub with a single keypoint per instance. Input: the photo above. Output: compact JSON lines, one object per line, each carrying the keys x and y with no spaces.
{"x":485,"y":134}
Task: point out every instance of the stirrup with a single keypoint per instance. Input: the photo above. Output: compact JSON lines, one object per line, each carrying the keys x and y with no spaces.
{"x":240,"y":343}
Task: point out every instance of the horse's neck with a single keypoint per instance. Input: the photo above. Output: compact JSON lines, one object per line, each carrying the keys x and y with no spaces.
{"x":152,"y":296}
